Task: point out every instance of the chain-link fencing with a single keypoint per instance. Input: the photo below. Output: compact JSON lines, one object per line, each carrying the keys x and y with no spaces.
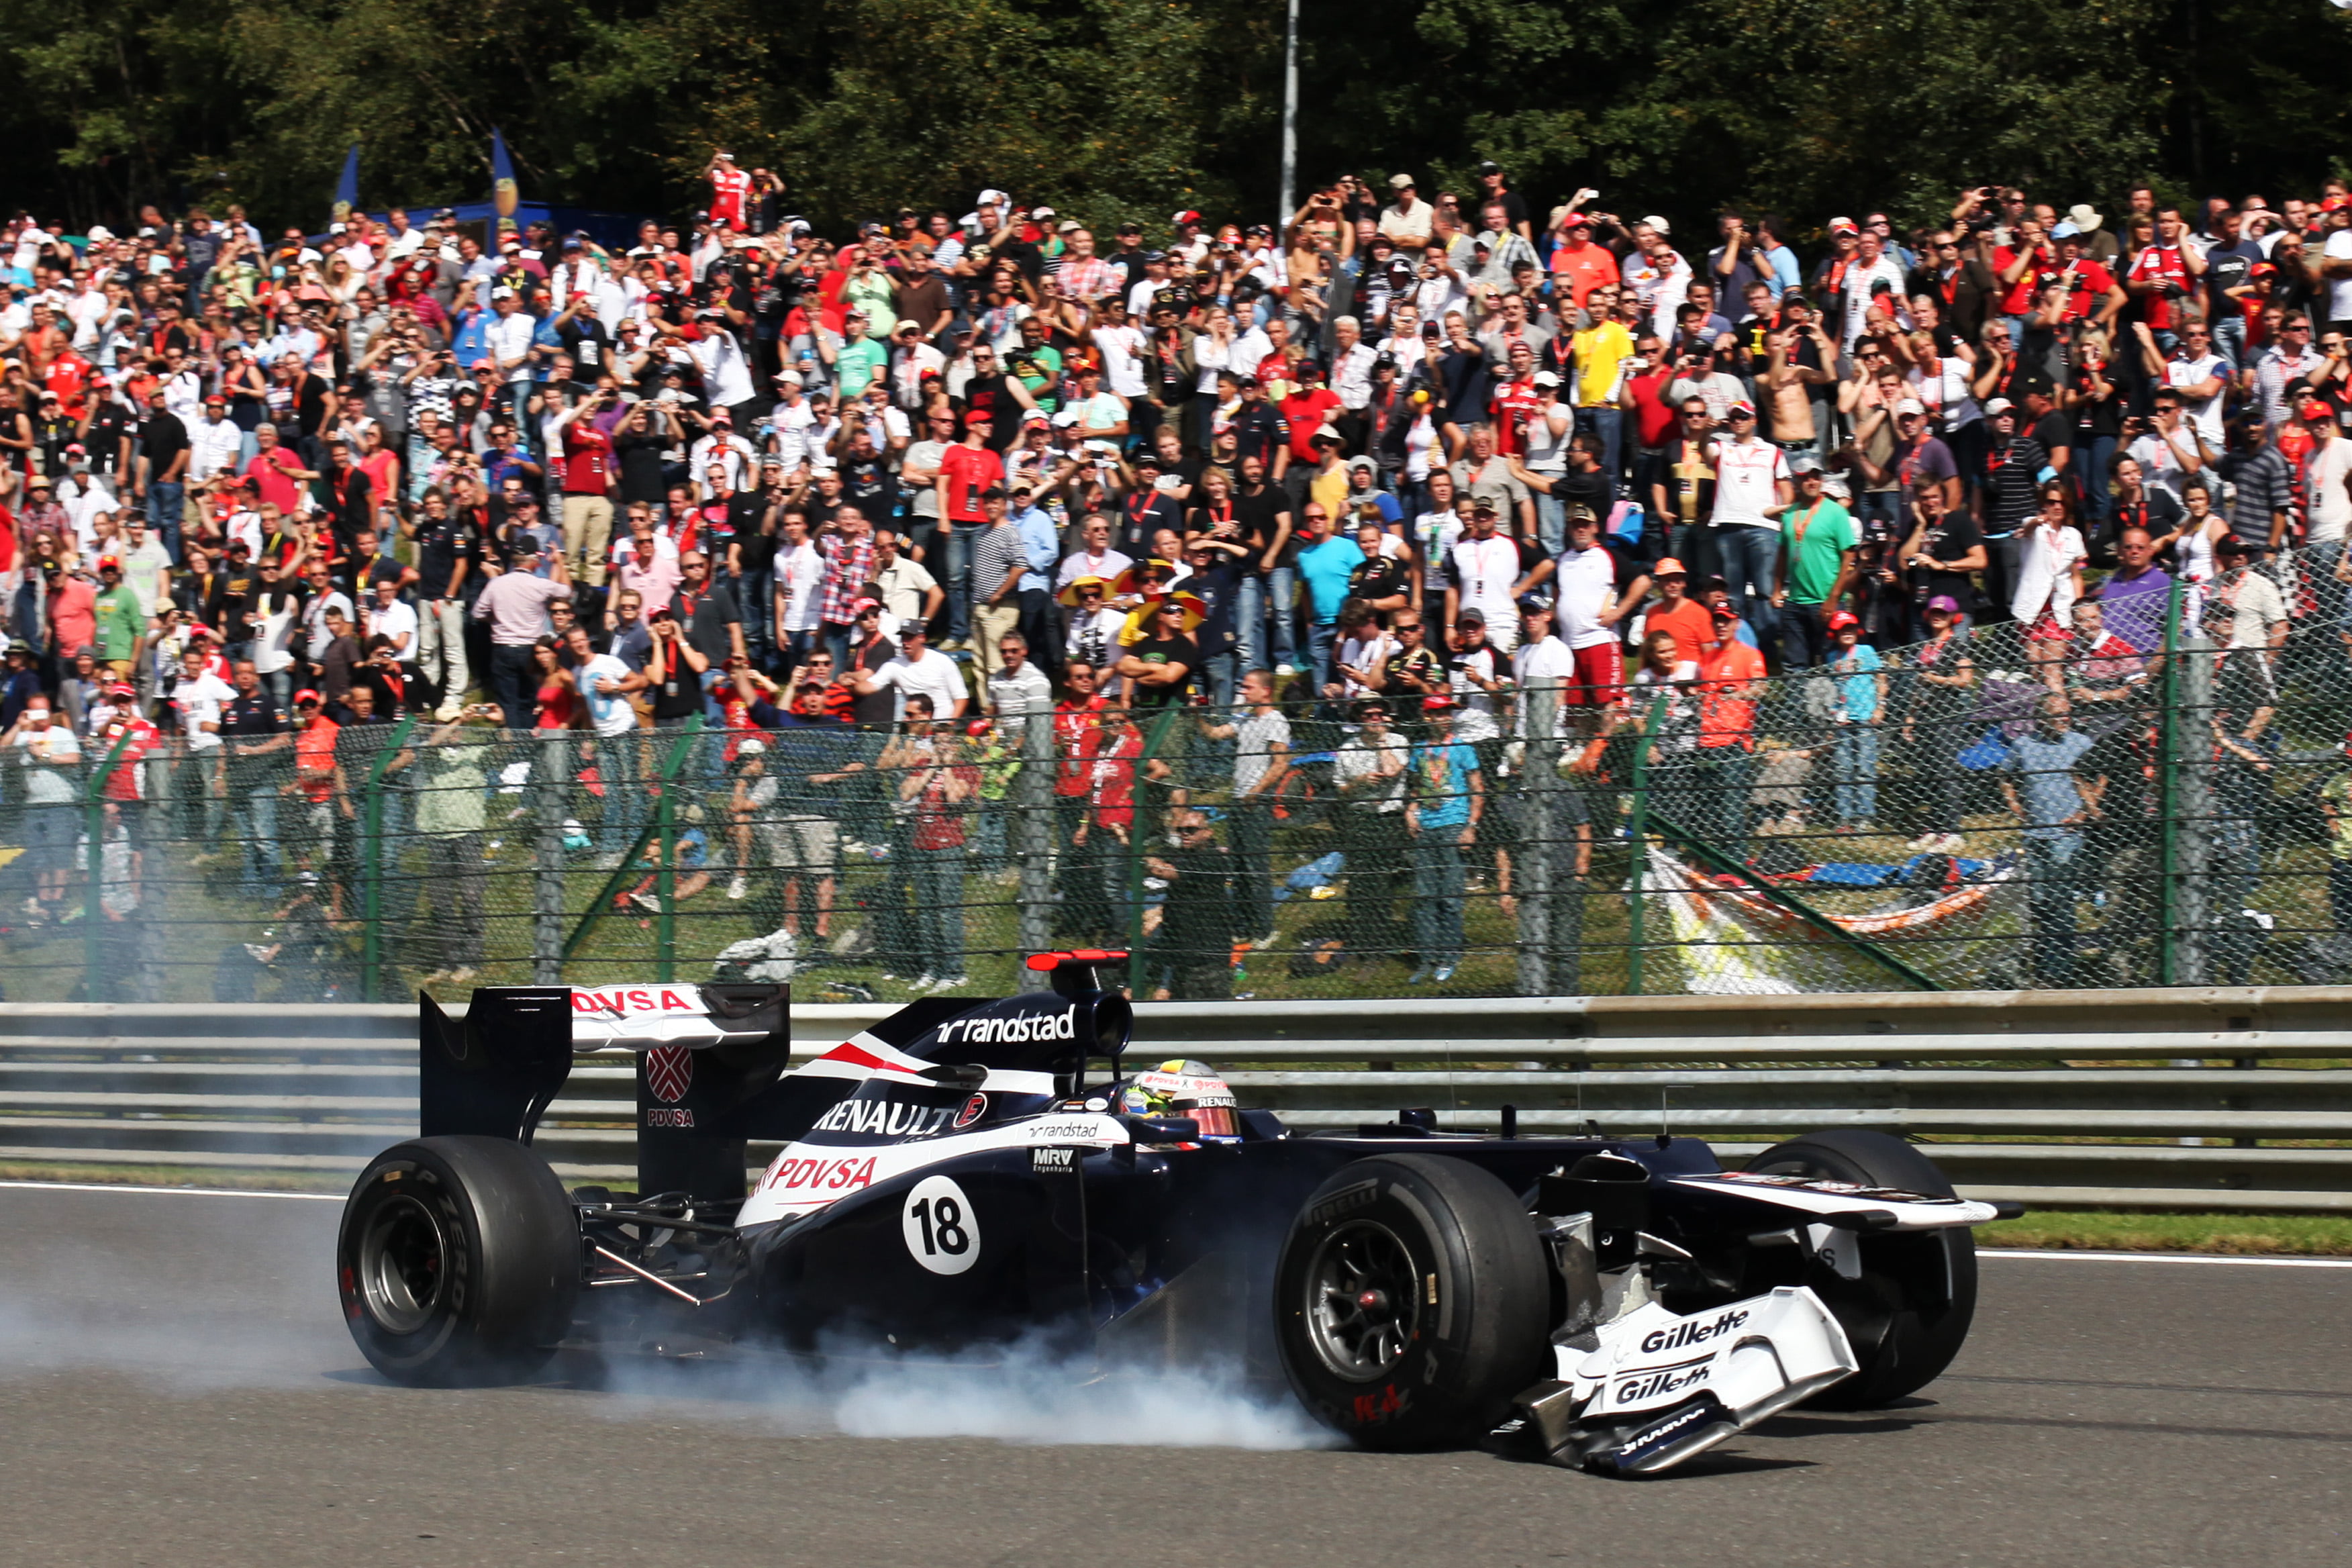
{"x":2159,"y":797}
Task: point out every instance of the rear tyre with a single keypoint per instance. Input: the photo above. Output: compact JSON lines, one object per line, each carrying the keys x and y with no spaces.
{"x":1411,"y":1302}
{"x":458,"y":1261}
{"x":1908,"y":1314}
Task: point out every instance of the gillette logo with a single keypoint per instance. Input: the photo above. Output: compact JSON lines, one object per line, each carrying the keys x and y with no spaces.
{"x":1649,"y":1384}
{"x":1690,"y":1332}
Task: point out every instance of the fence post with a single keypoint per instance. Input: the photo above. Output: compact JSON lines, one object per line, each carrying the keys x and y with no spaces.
{"x":372,"y":860}
{"x":1537,"y":869}
{"x":1032,"y":820}
{"x":552,"y":773}
{"x":1135,"y":828}
{"x":1638,"y":844}
{"x":93,"y":909}
{"x":665,"y":870}
{"x":2189,"y":835}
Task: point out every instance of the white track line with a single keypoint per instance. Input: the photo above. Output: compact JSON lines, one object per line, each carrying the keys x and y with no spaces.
{"x":2073,"y":1257}
{"x":177,"y":1192}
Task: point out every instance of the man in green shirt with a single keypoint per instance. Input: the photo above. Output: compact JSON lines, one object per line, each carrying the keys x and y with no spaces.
{"x":1817,"y":544}
{"x":856,"y":359}
{"x":121,"y":622}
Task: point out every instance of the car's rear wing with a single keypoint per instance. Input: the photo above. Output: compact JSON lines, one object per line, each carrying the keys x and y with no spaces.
{"x":710,"y":1070}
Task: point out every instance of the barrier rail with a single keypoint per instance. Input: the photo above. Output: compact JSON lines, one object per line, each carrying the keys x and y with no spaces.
{"x":2143,"y":1098}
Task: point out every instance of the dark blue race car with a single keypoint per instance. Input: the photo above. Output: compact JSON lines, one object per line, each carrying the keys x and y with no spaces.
{"x":969,"y":1173}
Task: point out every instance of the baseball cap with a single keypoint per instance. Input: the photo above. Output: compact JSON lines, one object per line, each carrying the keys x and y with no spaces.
{"x":992,"y":195}
{"x":789,"y":378}
{"x":1482,"y":506}
{"x":109,"y":564}
{"x":1187,"y":216}
{"x":1741,"y":406}
{"x":2312,"y":408}
{"x":1660,"y":224}
{"x":1999,"y":406}
{"x":912,"y":626}
{"x":1400,"y":182}
{"x":1944,"y":603}
{"x":1804,"y":463}
{"x":1913,"y":406}
{"x":1668,"y":566}
{"x":214,"y":400}
{"x":1043,"y":212}
{"x":1547,"y":378}
{"x":1726,"y":611}
{"x":1470,"y":618}
{"x":502,"y":293}
{"x":305,"y":695}
{"x":1843,"y":225}
{"x":2062,"y":229}
{"x":1843,"y":619}
{"x":864,"y":606}
{"x":1439,"y":702}
{"x":122,"y":689}
{"x":2229,"y":544}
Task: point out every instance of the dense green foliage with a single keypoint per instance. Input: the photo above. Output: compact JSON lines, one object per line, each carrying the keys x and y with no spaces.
{"x":1117,"y":107}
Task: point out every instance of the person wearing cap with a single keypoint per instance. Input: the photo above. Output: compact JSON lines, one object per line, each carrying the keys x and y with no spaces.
{"x":1713,"y":796}
{"x":1818,"y":539}
{"x":1655,"y":274}
{"x":2245,"y":611}
{"x":215,"y":442}
{"x":515,"y":604}
{"x":2055,"y":796}
{"x":1262,"y":744}
{"x":1859,"y":676}
{"x":119,"y":622}
{"x":49,"y":817}
{"x":1752,"y":489}
{"x":2007,"y":497}
{"x":1445,"y":801}
{"x":1369,"y":776}
{"x":159,"y":475}
{"x":999,"y":560}
{"x":916,"y":668}
{"x":1406,"y":220}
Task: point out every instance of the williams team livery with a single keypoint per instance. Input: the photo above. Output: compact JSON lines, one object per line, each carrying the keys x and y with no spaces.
{"x":967,"y":1173}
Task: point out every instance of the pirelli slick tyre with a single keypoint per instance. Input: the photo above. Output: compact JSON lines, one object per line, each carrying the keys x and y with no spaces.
{"x":458,"y":1261}
{"x":1410,"y":1301}
{"x":1908,"y":1314}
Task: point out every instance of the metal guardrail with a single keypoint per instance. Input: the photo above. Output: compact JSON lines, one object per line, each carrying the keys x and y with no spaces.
{"x":2143,"y":1098}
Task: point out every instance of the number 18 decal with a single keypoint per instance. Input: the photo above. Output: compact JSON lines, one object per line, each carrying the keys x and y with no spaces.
{"x":942,"y":1232}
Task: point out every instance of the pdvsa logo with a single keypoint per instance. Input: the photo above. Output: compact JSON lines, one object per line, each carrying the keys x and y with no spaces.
{"x":669,"y":1072}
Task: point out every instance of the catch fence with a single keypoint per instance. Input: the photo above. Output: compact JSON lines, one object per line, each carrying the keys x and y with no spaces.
{"x":1935,"y":823}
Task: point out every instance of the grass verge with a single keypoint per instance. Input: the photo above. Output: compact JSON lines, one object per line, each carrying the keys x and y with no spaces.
{"x":2236,"y":1235}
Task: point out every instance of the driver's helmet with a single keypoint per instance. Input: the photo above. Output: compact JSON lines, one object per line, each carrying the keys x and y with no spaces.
{"x":1184,"y":1089}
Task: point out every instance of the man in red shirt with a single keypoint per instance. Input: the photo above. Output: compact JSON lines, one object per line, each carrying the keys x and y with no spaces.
{"x":1730,"y":682}
{"x":966,"y":469}
{"x":1077,"y":717}
{"x":1654,"y":417}
{"x":1578,"y":263}
{"x":1308,"y":410}
{"x":589,"y":477}
{"x":2091,"y":290}
{"x":1514,"y":401}
{"x":2162,"y":274}
{"x":275,"y":471}
{"x":729,"y":187}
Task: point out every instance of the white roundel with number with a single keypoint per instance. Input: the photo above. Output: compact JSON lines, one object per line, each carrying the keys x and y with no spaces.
{"x":942,"y":1232}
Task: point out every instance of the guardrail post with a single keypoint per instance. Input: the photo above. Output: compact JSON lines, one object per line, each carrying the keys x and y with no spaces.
{"x":2188,"y":831}
{"x":552,"y":776}
{"x":1637,"y":841}
{"x":372,"y":860}
{"x":1031,"y":801}
{"x":1539,"y":866}
{"x":93,"y":908}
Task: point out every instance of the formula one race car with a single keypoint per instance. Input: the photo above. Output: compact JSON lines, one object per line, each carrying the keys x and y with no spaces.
{"x":961,"y":1176}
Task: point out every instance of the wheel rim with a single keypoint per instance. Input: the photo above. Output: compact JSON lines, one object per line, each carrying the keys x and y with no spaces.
{"x":401,"y":1264}
{"x":1361,"y":1306}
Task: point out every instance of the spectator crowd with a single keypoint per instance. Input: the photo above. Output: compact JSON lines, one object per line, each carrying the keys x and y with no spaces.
{"x":873,"y":503}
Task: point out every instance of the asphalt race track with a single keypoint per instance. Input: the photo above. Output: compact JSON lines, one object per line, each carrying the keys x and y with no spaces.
{"x":176,"y":1389}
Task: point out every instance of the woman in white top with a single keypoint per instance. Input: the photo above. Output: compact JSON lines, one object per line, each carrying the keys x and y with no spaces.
{"x":1213,"y":351}
{"x":2049,"y":580}
{"x":2193,"y":548}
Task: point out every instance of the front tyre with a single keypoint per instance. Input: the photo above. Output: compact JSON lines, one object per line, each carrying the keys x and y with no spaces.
{"x":1411,"y":1302}
{"x":1908,"y":1314}
{"x":458,"y":1261}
